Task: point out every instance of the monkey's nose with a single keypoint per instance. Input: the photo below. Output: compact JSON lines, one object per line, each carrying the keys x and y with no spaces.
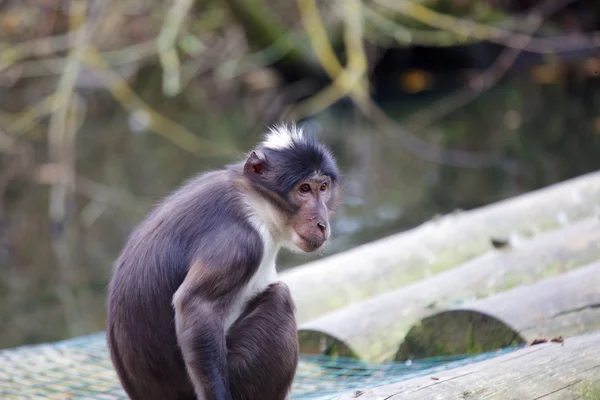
{"x":322,"y":227}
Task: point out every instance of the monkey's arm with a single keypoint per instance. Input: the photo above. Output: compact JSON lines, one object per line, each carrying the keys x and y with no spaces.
{"x":199,"y":324}
{"x":220,"y":269}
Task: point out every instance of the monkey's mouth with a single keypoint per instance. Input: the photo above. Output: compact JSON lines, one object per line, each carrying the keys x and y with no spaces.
{"x":310,"y":244}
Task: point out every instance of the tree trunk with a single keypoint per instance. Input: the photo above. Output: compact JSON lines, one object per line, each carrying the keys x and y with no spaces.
{"x":374,"y":329}
{"x":390,"y":263}
{"x":559,"y":306}
{"x":551,"y":371}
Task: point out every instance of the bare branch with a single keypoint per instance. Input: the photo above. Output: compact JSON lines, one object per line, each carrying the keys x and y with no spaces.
{"x":485,"y":81}
{"x":349,"y":79}
{"x":317,"y":33}
{"x":166,"y":46}
{"x":114,"y":58}
{"x":154,"y":121}
{"x":37,"y":47}
{"x":28,"y":118}
{"x":61,"y":149}
{"x":463,"y":30}
{"x":50,"y":174}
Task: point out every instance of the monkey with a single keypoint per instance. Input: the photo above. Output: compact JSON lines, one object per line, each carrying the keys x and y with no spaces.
{"x":195,"y":309}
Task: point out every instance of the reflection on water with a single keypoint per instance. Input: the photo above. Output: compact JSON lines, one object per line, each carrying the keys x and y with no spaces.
{"x":548,"y":133}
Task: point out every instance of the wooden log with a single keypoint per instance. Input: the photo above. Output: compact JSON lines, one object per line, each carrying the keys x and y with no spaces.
{"x":559,"y":306}
{"x":389,"y":263}
{"x":552,"y":371}
{"x":374,"y":329}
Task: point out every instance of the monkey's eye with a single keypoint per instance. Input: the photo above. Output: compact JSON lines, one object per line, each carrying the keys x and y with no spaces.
{"x":323,"y":187}
{"x":304,"y":188}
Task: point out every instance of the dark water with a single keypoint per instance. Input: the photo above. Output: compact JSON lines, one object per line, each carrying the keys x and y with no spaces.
{"x":544,"y":134}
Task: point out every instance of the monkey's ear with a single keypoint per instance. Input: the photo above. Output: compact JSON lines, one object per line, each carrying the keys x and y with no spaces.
{"x":255,"y":163}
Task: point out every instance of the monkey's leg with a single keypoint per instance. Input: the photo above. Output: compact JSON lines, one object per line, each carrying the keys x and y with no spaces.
{"x":263,"y":347}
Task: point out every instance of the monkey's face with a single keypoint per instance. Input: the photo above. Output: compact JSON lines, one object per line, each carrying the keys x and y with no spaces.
{"x":313,"y":200}
{"x":295,"y":184}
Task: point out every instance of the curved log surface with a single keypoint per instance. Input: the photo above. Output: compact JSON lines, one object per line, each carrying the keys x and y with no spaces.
{"x":549,"y":371}
{"x":392,"y":262}
{"x":560,"y":306}
{"x":374,"y":329}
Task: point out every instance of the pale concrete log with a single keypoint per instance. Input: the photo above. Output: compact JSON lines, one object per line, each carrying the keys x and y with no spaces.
{"x":559,"y":306}
{"x":389,"y":263}
{"x":374,"y":329}
{"x":550,"y":371}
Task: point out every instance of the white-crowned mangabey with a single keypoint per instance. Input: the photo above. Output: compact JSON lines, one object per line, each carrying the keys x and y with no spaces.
{"x":195,"y":310}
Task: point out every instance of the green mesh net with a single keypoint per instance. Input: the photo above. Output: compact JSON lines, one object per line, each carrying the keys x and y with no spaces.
{"x":80,"y":368}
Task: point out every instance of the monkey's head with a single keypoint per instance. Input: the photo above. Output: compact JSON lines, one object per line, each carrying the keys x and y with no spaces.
{"x":298,"y":177}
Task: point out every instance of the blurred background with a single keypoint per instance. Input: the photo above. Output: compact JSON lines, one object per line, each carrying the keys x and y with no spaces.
{"x":429,"y":105}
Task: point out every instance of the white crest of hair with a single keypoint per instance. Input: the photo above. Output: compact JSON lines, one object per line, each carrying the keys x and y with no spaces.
{"x":263,"y":217}
{"x":282,"y":136}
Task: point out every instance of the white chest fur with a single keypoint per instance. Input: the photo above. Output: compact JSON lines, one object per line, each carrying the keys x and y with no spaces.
{"x":265,"y":274}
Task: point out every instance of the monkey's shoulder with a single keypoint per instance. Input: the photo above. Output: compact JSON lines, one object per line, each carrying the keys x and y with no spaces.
{"x":206,"y":217}
{"x":210,"y":194}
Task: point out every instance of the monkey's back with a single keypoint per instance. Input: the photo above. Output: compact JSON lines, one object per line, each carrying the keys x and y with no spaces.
{"x":151,"y":267}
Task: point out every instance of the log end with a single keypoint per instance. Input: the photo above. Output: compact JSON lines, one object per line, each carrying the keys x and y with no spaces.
{"x":320,"y":343}
{"x":457,"y":332}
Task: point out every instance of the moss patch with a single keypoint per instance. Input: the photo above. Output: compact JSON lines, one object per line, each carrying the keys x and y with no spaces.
{"x":587,"y":390}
